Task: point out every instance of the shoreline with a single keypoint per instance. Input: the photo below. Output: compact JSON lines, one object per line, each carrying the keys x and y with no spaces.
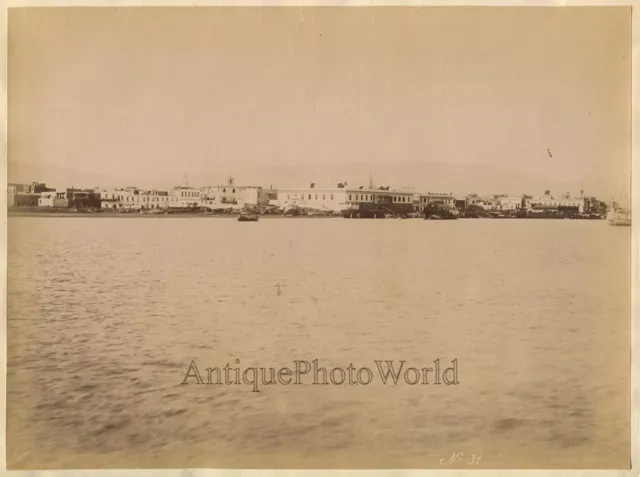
{"x":173,"y":215}
{"x":182,"y":215}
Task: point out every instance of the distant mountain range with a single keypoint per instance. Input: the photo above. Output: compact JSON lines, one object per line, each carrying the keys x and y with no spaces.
{"x":432,"y":177}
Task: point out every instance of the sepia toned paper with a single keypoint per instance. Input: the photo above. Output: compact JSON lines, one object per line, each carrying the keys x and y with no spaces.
{"x":143,"y":339}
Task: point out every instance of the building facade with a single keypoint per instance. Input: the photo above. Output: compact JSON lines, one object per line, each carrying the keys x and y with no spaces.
{"x":132,"y":198}
{"x":233,"y":196}
{"x":441,"y":199}
{"x":82,"y":198}
{"x":25,"y":195}
{"x":548,"y":202}
{"x":53,"y":199}
{"x":325,"y":199}
{"x":510,"y":203}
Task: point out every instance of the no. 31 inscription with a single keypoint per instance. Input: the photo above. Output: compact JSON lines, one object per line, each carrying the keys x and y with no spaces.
{"x":459,"y":457}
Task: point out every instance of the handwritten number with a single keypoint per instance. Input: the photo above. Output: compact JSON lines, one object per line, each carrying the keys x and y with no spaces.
{"x":475,"y":459}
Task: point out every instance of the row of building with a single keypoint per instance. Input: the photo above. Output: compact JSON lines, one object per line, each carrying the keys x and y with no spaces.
{"x":232,"y":196}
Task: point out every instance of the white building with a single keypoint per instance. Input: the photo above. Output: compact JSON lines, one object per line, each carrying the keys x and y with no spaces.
{"x":509,"y":202}
{"x":549,"y":202}
{"x":116,"y":198}
{"x":326,"y":199}
{"x":53,"y":199}
{"x":232,"y":196}
{"x":337,"y":199}
{"x":47,"y":199}
{"x":132,"y":198}
{"x":184,"y":197}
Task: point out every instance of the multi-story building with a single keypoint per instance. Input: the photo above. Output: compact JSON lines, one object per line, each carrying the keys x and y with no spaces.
{"x":152,"y":199}
{"x":53,"y":199}
{"x":25,"y":195}
{"x":117,"y":198}
{"x":507,"y":202}
{"x":325,"y":199}
{"x":348,"y":200}
{"x":594,"y":206}
{"x":548,"y":202}
{"x":442,"y":199}
{"x":184,"y":197}
{"x":83,"y":198}
{"x":233,"y":196}
{"x":132,"y":198}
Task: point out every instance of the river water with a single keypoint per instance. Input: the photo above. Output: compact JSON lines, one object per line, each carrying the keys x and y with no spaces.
{"x":105,"y":316}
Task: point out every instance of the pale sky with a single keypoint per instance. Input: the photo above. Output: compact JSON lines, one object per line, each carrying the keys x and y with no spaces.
{"x":450,"y":99}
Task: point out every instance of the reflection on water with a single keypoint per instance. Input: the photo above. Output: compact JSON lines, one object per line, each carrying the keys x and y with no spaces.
{"x":105,"y":315}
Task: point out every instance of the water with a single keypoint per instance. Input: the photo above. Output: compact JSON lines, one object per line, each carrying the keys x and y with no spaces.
{"x":106,"y":314}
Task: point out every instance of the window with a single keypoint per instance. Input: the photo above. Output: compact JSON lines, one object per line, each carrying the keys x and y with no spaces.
{"x":224,"y":190}
{"x":233,"y":190}
{"x":349,"y":196}
{"x":331,"y":196}
{"x":309,"y":196}
{"x":316,"y":196}
{"x":323,"y":197}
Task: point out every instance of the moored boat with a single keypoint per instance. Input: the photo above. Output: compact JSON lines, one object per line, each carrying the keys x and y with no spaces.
{"x":247,"y":218}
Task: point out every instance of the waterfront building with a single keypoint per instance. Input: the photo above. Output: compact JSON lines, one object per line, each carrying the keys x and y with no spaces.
{"x":326,"y":199}
{"x":341,"y":198}
{"x":117,"y":198}
{"x":507,"y":202}
{"x":132,"y":198}
{"x":53,"y":199}
{"x":491,"y":202}
{"x":82,"y":198}
{"x":151,"y":199}
{"x":25,"y":195}
{"x":382,"y":195}
{"x":594,"y":206}
{"x":233,"y":196}
{"x":441,"y":199}
{"x":184,"y":197}
{"x":379,"y":202}
{"x":548,"y":202}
